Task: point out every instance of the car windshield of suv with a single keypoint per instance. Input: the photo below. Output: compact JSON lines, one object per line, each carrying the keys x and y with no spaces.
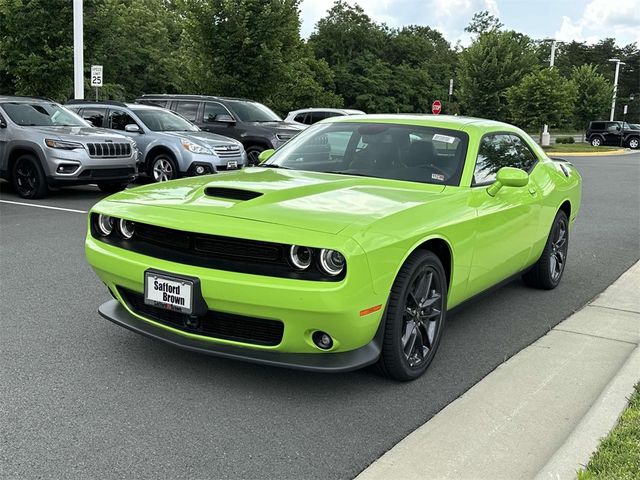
{"x":398,"y":152}
{"x":164,"y":121}
{"x":253,"y":111}
{"x":40,"y":114}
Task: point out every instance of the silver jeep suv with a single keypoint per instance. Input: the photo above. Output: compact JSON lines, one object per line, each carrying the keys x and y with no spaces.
{"x":169,"y":146}
{"x":43,"y":144}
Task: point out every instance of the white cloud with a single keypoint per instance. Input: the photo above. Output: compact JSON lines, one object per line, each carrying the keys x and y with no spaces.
{"x":603,"y":18}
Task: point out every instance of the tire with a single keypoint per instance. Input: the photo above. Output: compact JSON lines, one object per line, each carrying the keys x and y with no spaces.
{"x":634,"y":143}
{"x":28,"y":178}
{"x":112,"y":187}
{"x":547,"y":271}
{"x":596,"y":142}
{"x":412,"y":335}
{"x":163,"y":168}
{"x":253,"y":152}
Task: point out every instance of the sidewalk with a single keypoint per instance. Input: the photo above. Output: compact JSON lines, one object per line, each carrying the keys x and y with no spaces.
{"x":541,"y":413}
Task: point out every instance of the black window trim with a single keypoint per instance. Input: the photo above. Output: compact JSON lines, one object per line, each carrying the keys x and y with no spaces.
{"x":501,"y":132}
{"x":130,"y":114}
{"x":199,"y":111}
{"x":204,"y":107}
{"x":80,"y":113}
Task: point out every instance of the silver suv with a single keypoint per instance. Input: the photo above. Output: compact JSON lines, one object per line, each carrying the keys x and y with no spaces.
{"x":169,"y":146}
{"x":43,"y":144}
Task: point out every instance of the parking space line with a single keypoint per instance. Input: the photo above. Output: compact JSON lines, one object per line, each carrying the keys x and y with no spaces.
{"x":49,"y":207}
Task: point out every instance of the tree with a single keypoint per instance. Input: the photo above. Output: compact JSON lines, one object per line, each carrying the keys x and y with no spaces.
{"x":542,"y":98}
{"x":593,"y":96}
{"x":494,"y":62}
{"x":483,"y":22}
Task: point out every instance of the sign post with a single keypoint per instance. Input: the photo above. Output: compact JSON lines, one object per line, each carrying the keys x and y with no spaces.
{"x":436,"y":107}
{"x":96,"y":77}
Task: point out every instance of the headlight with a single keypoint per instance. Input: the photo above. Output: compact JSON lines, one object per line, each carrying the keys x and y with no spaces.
{"x":64,"y":145}
{"x":332,"y":262}
{"x":127,"y":228}
{"x":300,"y":257}
{"x":195,"y":148}
{"x":105,"y":225}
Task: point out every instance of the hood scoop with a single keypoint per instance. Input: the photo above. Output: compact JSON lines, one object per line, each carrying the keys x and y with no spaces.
{"x":231,"y":193}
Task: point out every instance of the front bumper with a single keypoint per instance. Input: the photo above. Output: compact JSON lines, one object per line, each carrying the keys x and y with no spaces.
{"x":333,"y":362}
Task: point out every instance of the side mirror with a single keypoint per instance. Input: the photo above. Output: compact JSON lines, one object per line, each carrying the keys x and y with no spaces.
{"x":132,"y":128}
{"x":225,"y":119}
{"x":508,"y":177}
{"x":265,"y":155}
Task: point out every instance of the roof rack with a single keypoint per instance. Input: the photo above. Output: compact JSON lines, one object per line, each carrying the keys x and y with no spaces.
{"x":78,"y":101}
{"x":35,"y":97}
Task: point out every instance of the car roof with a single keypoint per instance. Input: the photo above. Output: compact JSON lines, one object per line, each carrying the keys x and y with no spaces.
{"x":440,"y":121}
{"x":20,"y":99}
{"x":170,"y":96}
{"x":319,"y":109}
{"x":105,"y":104}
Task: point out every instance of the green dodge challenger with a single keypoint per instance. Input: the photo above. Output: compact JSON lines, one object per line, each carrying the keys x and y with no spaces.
{"x":344,"y":248}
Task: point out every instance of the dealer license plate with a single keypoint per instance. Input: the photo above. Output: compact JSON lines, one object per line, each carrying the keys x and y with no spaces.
{"x":170,"y":293}
{"x":232,"y":165}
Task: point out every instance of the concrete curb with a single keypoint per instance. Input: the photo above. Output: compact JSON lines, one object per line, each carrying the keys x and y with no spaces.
{"x":595,"y":425}
{"x":621,"y":151}
{"x":540,"y":414}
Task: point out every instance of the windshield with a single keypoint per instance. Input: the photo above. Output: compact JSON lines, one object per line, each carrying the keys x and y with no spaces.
{"x":164,"y":121}
{"x":252,"y":111}
{"x":398,"y":152}
{"x":40,"y":114}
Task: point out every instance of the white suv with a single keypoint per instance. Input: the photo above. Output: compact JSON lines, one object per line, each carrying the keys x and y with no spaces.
{"x":309,"y":116}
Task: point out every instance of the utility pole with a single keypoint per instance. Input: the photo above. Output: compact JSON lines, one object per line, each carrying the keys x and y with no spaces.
{"x":615,"y":86}
{"x":78,"y":50}
{"x":545,"y":138}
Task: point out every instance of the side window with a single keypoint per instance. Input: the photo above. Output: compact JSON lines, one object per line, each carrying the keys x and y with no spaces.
{"x":188,"y":110}
{"x":597,"y":126}
{"x":95,"y":116}
{"x":211,"y":111}
{"x":501,"y":150}
{"x":300,"y":118}
{"x":119,"y":119}
{"x":157,"y":103}
{"x":317,"y":116}
{"x":613,"y":127}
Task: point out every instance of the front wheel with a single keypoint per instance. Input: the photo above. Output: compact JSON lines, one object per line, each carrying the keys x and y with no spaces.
{"x":548,"y":270}
{"x":163,"y":168}
{"x":253,"y":153}
{"x":414,"y":317}
{"x":28,"y":178}
{"x":634,"y":143}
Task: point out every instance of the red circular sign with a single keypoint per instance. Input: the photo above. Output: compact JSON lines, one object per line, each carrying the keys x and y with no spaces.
{"x":436,"y":107}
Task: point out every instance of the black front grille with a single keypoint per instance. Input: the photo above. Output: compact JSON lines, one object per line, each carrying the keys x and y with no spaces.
{"x":227,"y":326}
{"x":109,"y":149}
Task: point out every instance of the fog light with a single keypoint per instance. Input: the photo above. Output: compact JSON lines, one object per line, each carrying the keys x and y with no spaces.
{"x":199,"y":169}
{"x":322,"y":340}
{"x":67,"y":168}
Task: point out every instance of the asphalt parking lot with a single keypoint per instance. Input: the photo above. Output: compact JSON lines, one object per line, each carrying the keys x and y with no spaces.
{"x":82,"y":397}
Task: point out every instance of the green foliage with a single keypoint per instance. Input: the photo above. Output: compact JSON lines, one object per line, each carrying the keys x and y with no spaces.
{"x":593,"y":97}
{"x":483,"y":22}
{"x":565,"y":140}
{"x":492,"y":64}
{"x":542,"y":97}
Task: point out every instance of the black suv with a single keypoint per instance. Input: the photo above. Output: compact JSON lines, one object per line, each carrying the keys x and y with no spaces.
{"x":252,"y":123}
{"x":613,"y":133}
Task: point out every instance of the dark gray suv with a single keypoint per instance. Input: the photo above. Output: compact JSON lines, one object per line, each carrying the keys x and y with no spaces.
{"x":43,"y":144}
{"x":252,"y":123}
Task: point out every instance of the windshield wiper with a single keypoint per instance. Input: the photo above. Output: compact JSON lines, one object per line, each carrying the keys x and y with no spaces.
{"x":273,"y":165}
{"x":338,"y":172}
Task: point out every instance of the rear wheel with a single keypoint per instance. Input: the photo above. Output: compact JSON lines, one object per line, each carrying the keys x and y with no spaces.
{"x":547,"y":272}
{"x":28,"y":178}
{"x":596,"y":141}
{"x":414,"y":317}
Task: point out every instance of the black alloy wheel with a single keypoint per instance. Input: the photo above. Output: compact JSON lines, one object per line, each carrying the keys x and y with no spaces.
{"x":547,"y":271}
{"x":28,"y":178}
{"x":415,"y":317}
{"x":253,"y":153}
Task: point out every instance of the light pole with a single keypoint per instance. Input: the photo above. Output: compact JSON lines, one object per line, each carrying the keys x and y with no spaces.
{"x":78,"y":51}
{"x":545,"y":139}
{"x":615,"y":86}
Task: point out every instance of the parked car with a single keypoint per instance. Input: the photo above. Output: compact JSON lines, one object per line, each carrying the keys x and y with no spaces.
{"x":309,"y":116}
{"x":613,"y":133}
{"x":352,"y":256}
{"x":43,"y":144}
{"x":169,"y":146}
{"x":252,"y":123}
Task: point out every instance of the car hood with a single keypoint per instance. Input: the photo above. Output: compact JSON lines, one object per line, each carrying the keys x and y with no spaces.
{"x":84,"y":134}
{"x":206,"y":138}
{"x":321,"y":202}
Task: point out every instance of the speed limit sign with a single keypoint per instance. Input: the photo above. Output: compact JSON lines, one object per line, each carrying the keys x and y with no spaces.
{"x":96,"y":75}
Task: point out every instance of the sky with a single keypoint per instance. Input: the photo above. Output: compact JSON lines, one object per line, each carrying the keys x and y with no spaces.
{"x":565,"y":20}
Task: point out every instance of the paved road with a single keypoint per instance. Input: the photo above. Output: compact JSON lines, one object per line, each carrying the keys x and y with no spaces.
{"x":83,"y":398}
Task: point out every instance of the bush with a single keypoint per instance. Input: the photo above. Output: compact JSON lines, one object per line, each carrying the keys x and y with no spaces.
{"x":565,"y":140}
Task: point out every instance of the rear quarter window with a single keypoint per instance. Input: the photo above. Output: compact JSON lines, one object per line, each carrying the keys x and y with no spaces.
{"x":597,"y":126}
